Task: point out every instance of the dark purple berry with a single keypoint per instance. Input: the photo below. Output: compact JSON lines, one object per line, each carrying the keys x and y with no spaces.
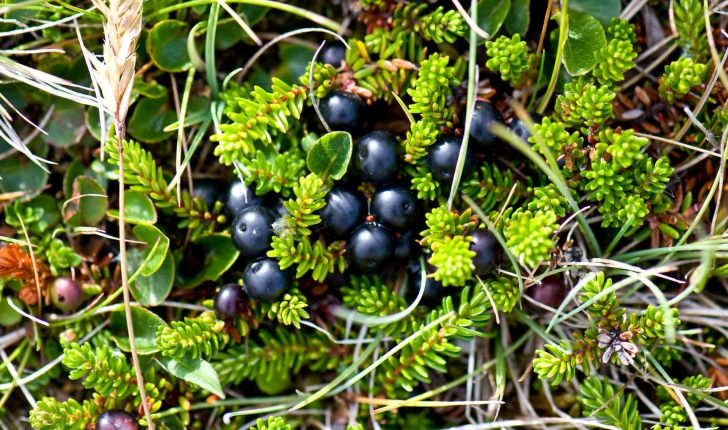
{"x":264,"y":281}
{"x":251,"y":231}
{"x":405,"y":245}
{"x":207,"y":189}
{"x":549,"y":292}
{"x":66,"y":294}
{"x":487,"y":251}
{"x":484,"y":116}
{"x":343,"y":111}
{"x":332,"y":53}
{"x":116,"y":420}
{"x":229,"y":302}
{"x":375,"y":158}
{"x":369,"y":248}
{"x":518,"y":127}
{"x":395,"y":207}
{"x":278,"y":208}
{"x":238,"y":197}
{"x":433,"y":289}
{"x":345,"y":209}
{"x":442,"y":159}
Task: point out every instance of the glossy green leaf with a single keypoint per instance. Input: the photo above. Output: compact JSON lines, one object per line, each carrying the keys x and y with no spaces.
{"x":491,"y":14}
{"x":8,"y":315}
{"x":603,"y":10}
{"x":93,"y":124}
{"x":154,"y":289}
{"x":167,"y":46}
{"x":150,"y":234}
{"x":18,"y":173}
{"x":83,"y":209}
{"x":66,"y":127}
{"x":138,"y":209}
{"x":206,"y":260}
{"x":51,"y":213}
{"x":586,"y":36}
{"x":145,"y":325}
{"x":198,"y":372}
{"x":75,"y":169}
{"x":149,"y":119}
{"x":152,"y":90}
{"x":519,"y":17}
{"x":329,"y":156}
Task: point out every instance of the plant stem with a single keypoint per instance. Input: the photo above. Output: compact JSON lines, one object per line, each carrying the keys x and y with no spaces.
{"x":563,"y":25}
{"x":619,"y":235}
{"x":125,"y":279}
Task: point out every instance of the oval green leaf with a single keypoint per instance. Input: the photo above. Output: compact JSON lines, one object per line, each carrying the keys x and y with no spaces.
{"x":66,"y":126}
{"x":151,"y":234}
{"x":138,"y":209}
{"x":603,"y":10}
{"x":219,"y":255}
{"x":145,"y":325}
{"x":84,"y":209}
{"x":153,"y":289}
{"x":167,"y":46}
{"x":518,"y":17}
{"x":491,"y":14}
{"x":329,"y":156}
{"x":18,"y":173}
{"x":198,"y":372}
{"x":149,"y":119}
{"x":586,"y":36}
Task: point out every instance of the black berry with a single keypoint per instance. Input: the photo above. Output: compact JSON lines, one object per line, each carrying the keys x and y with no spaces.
{"x":344,"y":210}
{"x":238,"y":197}
{"x":442,"y":159}
{"x":343,"y":111}
{"x":251,"y":231}
{"x":66,"y":294}
{"x":369,"y":248}
{"x":332,"y":53}
{"x":484,"y":116}
{"x":375,"y":158}
{"x":433,"y":289}
{"x":405,"y":246}
{"x":116,"y":420}
{"x":395,"y":207}
{"x":487,"y":251}
{"x":229,"y":302}
{"x":207,"y":189}
{"x":278,"y":208}
{"x":518,"y":127}
{"x":549,"y":292}
{"x":264,"y":280}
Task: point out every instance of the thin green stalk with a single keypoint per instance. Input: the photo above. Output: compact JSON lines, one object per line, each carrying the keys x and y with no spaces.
{"x":319,"y":19}
{"x":229,"y":402}
{"x":563,"y":26}
{"x":181,"y":127}
{"x":553,"y":173}
{"x":619,"y":235}
{"x":211,"y":72}
{"x":125,"y":279}
{"x":472,"y":64}
{"x":18,"y":371}
{"x":13,"y":355}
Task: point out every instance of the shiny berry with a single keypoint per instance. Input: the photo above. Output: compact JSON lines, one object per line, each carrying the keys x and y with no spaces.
{"x":238,"y":196}
{"x":229,"y":302}
{"x":518,"y":127}
{"x":251,"y":231}
{"x":264,"y":280}
{"x":375,"y":158}
{"x":343,"y":111}
{"x":207,"y":189}
{"x":395,"y":207}
{"x":332,"y":53}
{"x":442,"y":159}
{"x":278,"y":208}
{"x":549,"y":292}
{"x":345,"y":209}
{"x":369,"y":248}
{"x":484,"y":116}
{"x":433,"y":289}
{"x":116,"y":420}
{"x":405,"y":245}
{"x":487,"y":251}
{"x":66,"y":294}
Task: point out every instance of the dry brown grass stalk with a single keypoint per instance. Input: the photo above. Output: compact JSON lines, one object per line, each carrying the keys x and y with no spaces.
{"x":115,"y":78}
